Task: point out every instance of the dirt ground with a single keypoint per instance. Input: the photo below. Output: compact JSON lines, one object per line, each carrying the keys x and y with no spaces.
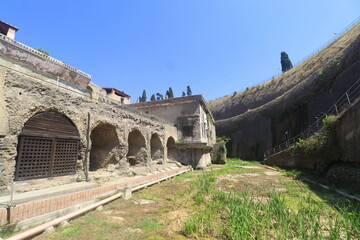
{"x":159,"y":212}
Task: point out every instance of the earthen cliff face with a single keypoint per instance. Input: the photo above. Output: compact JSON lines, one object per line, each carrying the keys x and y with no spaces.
{"x":259,"y":118}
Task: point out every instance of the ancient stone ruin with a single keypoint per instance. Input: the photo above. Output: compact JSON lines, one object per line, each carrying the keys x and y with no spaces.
{"x":57,"y":126}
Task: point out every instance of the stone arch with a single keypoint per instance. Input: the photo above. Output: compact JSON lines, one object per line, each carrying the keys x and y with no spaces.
{"x":171,"y":149}
{"x":89,"y":88}
{"x":156,"y":148}
{"x":104,"y":143}
{"x":137,"y":152}
{"x":48,"y":146}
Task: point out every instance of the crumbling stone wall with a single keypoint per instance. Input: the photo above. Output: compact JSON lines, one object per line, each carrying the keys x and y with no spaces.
{"x":26,"y":96}
{"x":104,"y":147}
{"x":137,"y":152}
{"x":156,"y":148}
{"x":345,"y":175}
{"x":172,"y":152}
{"x":42,"y":64}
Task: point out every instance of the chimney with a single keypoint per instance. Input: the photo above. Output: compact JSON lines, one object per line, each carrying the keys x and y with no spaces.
{"x":8,"y":30}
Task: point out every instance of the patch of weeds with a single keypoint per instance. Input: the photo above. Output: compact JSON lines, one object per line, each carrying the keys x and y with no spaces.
{"x":90,"y":219}
{"x":129,"y":235}
{"x":185,"y":175}
{"x":128,"y":214}
{"x":292,"y":173}
{"x":115,"y":225}
{"x":149,"y":196}
{"x":5,"y":233}
{"x":202,"y":224}
{"x":242,"y":216}
{"x":239,"y":162}
{"x":199,"y":198}
{"x":155,"y":238}
{"x":72,"y":231}
{"x":149,"y":225}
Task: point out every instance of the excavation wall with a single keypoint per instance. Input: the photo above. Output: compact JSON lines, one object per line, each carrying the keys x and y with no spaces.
{"x":264,"y":116}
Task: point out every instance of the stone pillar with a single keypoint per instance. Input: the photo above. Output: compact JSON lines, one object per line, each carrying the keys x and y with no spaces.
{"x":4,"y":121}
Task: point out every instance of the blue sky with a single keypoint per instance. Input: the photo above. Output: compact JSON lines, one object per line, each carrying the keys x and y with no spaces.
{"x":215,"y":46}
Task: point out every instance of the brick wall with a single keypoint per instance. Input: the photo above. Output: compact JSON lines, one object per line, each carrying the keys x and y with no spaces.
{"x":33,"y":209}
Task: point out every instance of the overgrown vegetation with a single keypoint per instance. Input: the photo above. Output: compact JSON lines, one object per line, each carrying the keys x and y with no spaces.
{"x":238,"y":200}
{"x":240,"y":215}
{"x":43,"y":51}
{"x":320,"y":148}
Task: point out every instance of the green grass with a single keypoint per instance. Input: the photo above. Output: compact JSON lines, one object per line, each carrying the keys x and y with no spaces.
{"x":146,"y":195}
{"x":72,"y":231}
{"x":299,"y":213}
{"x":149,"y":225}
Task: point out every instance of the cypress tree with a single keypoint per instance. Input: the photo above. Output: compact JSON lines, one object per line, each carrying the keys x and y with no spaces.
{"x":171,"y":93}
{"x":143,"y":98}
{"x":183,"y":94}
{"x":152,"y":97}
{"x":188,"y":91}
{"x":167,"y":95}
{"x":285,"y":62}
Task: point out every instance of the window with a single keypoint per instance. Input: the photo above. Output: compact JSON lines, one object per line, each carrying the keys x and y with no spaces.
{"x":187,"y":131}
{"x":204,"y":130}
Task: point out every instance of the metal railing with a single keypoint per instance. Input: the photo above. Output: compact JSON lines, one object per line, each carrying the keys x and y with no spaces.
{"x":340,"y":105}
{"x":330,"y":41}
{"x":40,"y":54}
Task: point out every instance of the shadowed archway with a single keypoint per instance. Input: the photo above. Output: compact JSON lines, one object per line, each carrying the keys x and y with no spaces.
{"x":156,"y":148}
{"x":171,"y":149}
{"x":104,"y":139}
{"x":137,"y":148}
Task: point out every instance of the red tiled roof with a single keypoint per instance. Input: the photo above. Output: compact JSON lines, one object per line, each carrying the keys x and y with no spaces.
{"x":121,"y":93}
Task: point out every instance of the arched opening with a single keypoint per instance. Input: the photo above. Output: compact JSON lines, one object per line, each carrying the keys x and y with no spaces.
{"x":103,"y":140}
{"x":156,"y":148}
{"x":48,"y":146}
{"x":171,"y":149}
{"x":137,"y":148}
{"x":89,"y":88}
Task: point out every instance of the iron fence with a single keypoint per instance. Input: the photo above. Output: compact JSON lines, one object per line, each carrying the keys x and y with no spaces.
{"x":340,"y":105}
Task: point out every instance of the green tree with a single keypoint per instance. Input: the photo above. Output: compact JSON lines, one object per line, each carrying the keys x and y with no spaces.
{"x":183,"y":94}
{"x":159,"y":96}
{"x":143,"y":98}
{"x":167,"y":94}
{"x":285,"y":62}
{"x":171,"y":93}
{"x":152,"y":97}
{"x":188,"y":91}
